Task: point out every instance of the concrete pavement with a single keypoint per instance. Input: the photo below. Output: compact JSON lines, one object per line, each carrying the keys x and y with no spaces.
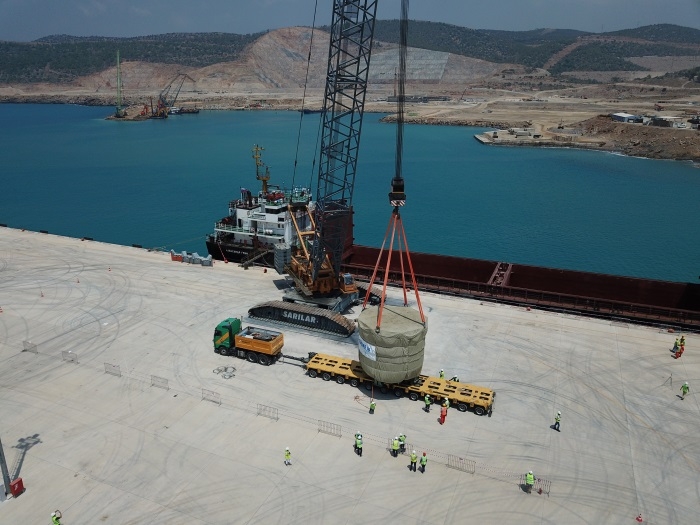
{"x":117,"y":448}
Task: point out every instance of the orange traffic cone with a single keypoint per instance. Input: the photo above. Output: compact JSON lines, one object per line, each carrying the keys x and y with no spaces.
{"x":639,"y":518}
{"x":109,"y":269}
{"x":0,"y":309}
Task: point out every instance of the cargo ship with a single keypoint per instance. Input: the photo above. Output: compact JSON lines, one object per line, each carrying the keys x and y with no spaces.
{"x":255,"y":225}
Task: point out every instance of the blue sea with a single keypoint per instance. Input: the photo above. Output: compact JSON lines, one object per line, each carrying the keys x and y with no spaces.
{"x":163,"y":183}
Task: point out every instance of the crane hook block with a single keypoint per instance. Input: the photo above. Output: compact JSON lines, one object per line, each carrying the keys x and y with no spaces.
{"x":397,"y":196}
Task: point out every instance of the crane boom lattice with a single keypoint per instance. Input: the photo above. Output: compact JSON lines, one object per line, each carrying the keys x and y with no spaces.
{"x":352,"y":30}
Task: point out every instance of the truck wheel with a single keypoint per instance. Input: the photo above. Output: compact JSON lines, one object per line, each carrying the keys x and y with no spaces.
{"x":312,"y":373}
{"x":368,"y":385}
{"x":339,"y":379}
{"x":250,"y":356}
{"x":479,"y":411}
{"x":384,"y":389}
{"x":263,"y":360}
{"x":223,"y":350}
{"x":326,"y":376}
{"x":398,"y":392}
{"x":462,"y":407}
{"x":354,"y":382}
{"x":413,"y":396}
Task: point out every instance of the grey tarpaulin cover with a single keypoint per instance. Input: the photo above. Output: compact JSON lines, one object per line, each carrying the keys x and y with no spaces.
{"x":396,"y":352}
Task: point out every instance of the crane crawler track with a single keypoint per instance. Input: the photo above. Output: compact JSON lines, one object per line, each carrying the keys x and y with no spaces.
{"x":308,"y":317}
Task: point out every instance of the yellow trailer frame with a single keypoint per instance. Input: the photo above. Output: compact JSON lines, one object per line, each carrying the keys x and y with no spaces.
{"x":462,"y":396}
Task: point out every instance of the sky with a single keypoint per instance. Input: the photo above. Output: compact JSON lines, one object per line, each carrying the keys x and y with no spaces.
{"x":26,"y":20}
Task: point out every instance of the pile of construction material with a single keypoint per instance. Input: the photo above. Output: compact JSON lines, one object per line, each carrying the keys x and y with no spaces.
{"x":191,"y":258}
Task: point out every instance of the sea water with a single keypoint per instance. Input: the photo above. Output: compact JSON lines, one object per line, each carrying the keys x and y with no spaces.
{"x":163,"y":183}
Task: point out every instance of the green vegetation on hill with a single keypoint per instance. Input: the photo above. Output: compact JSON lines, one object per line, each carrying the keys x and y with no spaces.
{"x":529,"y":48}
{"x":534,"y":48}
{"x":662,"y":33}
{"x":62,"y":58}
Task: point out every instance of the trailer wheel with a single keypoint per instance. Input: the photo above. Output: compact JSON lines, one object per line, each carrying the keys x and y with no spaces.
{"x":339,"y":379}
{"x":312,"y":373}
{"x":326,"y":376}
{"x":354,"y":382}
{"x":263,"y":360}
{"x":462,"y":407}
{"x":479,"y":411}
{"x":384,"y":390}
{"x":413,"y":396}
{"x":398,"y":392}
{"x":223,"y":350}
{"x":250,"y":356}
{"x":368,"y":385}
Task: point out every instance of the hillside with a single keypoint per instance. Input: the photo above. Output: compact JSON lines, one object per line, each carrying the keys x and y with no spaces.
{"x":63,"y":58}
{"x":274,"y":63}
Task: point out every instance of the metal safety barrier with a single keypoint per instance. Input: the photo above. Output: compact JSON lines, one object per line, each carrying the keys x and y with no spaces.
{"x":267,"y":411}
{"x":70,"y":357}
{"x":407,"y":446}
{"x":115,"y":370}
{"x":458,"y":463}
{"x":330,"y":428}
{"x":210,"y":395}
{"x":541,"y":486}
{"x":28,"y":346}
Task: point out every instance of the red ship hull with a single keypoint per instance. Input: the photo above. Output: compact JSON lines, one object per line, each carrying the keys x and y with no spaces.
{"x":631,"y":299}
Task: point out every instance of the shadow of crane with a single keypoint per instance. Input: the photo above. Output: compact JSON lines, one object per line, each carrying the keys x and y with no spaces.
{"x":23,"y":445}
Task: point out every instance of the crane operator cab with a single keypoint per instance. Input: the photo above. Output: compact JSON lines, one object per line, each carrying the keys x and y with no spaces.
{"x":347,"y":284}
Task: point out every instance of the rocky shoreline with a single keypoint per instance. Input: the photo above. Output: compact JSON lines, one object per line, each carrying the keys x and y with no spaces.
{"x":599,"y":133}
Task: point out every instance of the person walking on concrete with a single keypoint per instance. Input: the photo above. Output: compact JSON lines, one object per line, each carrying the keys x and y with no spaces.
{"x":423,"y":462}
{"x":372,"y":406}
{"x":685,"y":389}
{"x":56,"y":518}
{"x":287,"y":456}
{"x":414,"y":460}
{"x":442,"y":374}
{"x":682,"y":341}
{"x":676,"y":344}
{"x":443,"y":414}
{"x":557,"y":420}
{"x":402,"y":443}
{"x":428,"y":400}
{"x":395,"y":447}
{"x":679,"y":352}
{"x":529,"y":482}
{"x":358,"y":444}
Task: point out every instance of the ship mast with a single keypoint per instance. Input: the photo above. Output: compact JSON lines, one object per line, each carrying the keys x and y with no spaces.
{"x":258,"y":165}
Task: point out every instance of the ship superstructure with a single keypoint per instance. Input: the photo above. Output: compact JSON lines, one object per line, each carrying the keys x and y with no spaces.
{"x":259,"y":223}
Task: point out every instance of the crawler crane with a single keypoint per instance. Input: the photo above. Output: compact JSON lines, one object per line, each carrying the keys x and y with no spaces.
{"x":315,"y":267}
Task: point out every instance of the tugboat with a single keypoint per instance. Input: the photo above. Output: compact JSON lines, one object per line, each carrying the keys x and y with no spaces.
{"x":259,"y":226}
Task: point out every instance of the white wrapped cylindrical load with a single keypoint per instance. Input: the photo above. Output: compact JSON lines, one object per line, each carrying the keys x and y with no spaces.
{"x":396,"y":352}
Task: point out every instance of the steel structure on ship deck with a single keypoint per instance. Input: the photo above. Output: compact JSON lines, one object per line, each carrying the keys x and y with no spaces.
{"x":643,"y":301}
